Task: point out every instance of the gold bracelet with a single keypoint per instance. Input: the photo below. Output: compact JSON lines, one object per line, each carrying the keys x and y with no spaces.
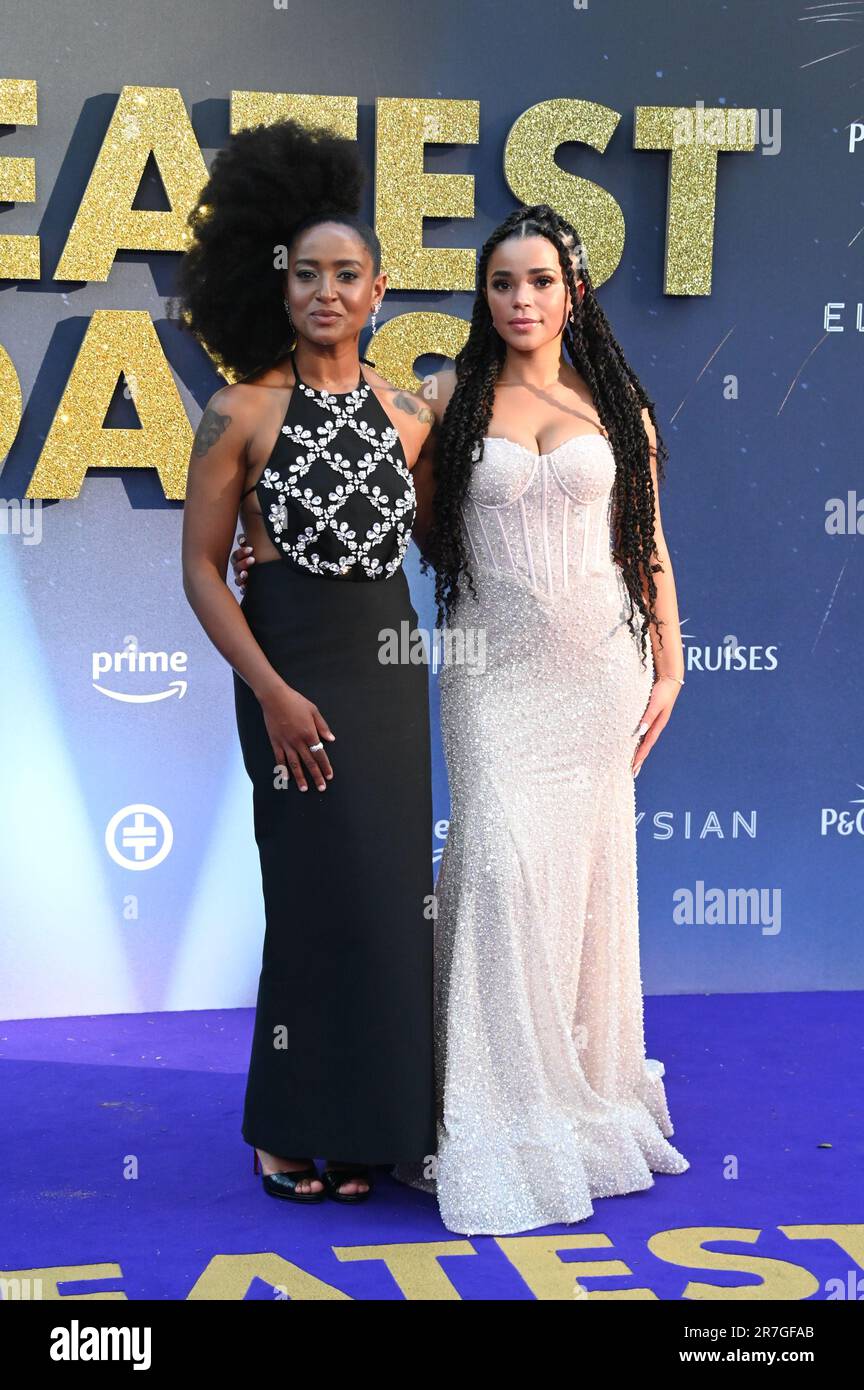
{"x":671,"y":678}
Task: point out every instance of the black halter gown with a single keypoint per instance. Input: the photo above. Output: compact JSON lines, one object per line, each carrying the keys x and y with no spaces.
{"x":341,"y":1064}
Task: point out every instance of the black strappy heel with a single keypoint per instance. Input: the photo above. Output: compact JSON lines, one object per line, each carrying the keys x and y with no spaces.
{"x":285,"y":1184}
{"x":333,"y":1178}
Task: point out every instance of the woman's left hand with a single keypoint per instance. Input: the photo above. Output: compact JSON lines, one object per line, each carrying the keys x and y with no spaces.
{"x":664,"y":693}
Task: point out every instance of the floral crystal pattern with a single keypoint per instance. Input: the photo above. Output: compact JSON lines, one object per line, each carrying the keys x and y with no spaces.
{"x":337,"y":535}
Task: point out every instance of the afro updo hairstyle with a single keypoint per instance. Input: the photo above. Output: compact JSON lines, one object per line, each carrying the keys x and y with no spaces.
{"x":267,"y":184}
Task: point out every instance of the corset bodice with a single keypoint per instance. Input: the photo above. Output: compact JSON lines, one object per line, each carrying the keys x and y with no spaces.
{"x":542,"y":518}
{"x":337,"y":496}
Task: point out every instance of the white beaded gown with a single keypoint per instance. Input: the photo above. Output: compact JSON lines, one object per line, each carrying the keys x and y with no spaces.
{"x":545,"y":1098}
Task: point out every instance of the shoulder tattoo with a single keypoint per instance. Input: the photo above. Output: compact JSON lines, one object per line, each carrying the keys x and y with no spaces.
{"x":211,"y":427}
{"x":410,"y":404}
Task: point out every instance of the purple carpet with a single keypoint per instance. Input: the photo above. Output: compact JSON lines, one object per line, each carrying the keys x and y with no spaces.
{"x":124,"y":1170}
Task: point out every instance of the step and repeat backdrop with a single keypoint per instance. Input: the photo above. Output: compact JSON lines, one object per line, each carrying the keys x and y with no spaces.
{"x":710,"y":157}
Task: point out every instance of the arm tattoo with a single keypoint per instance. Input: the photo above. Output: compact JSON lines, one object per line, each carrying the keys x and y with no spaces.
{"x":211,"y":427}
{"x":412,"y":406}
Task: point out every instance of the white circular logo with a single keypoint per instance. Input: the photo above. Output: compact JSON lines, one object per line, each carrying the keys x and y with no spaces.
{"x":132,"y":836}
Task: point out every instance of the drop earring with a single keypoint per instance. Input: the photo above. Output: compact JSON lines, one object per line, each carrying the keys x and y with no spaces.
{"x":374,"y":316}
{"x":290,"y":321}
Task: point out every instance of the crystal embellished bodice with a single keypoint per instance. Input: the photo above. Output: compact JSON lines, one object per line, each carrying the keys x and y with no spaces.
{"x":542,"y":518}
{"x":337,"y":496}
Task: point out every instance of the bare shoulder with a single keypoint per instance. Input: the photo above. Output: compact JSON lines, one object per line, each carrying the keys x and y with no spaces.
{"x":253,"y":394}
{"x":230,"y":410}
{"x":235,"y":399}
{"x":404,"y":401}
{"x":423,"y":398}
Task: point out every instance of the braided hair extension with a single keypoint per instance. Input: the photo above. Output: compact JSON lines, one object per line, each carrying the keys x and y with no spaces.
{"x":619,"y":399}
{"x":267,"y":184}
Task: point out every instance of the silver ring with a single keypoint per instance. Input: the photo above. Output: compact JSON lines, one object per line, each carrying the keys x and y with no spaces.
{"x":315,"y":747}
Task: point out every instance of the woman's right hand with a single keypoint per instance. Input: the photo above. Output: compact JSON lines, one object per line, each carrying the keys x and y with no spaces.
{"x":293,"y":725}
{"x":241,"y":559}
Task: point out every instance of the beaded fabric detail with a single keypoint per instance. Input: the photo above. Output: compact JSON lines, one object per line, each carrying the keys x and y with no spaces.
{"x":374,"y":540}
{"x":546,"y":1099}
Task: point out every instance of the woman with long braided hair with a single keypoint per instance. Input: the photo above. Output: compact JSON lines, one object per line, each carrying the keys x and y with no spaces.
{"x":540,"y":518}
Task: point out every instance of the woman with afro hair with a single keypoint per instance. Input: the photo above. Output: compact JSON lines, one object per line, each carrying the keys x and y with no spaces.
{"x":316,"y":450}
